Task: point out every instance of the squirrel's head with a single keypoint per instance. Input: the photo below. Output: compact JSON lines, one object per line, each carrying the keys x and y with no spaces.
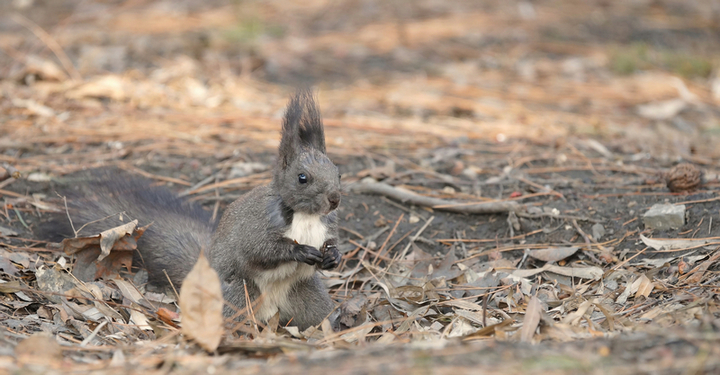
{"x":305,"y":178}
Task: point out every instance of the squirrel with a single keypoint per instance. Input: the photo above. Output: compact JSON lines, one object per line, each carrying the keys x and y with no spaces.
{"x":271,"y":241}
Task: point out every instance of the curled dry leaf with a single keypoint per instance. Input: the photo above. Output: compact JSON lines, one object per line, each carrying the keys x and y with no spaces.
{"x":645,"y":286}
{"x":574,"y":317}
{"x":553,"y":254}
{"x":109,"y":237}
{"x":102,"y":256}
{"x":683,"y":267}
{"x":168,"y":316}
{"x":201,"y":303}
{"x":642,"y":286}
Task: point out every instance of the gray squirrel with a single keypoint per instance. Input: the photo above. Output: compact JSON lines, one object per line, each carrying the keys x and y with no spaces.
{"x":272,"y":240}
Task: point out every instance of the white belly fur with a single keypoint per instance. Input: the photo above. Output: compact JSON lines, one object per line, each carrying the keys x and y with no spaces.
{"x":275,"y":284}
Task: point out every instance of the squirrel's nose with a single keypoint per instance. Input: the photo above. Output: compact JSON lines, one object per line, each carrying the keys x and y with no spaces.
{"x":334,"y":200}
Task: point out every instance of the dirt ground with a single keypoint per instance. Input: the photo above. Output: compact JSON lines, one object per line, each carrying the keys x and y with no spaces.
{"x":582,"y":113}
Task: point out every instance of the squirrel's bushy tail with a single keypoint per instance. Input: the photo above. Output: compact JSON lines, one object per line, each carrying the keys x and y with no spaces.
{"x":179,"y":229}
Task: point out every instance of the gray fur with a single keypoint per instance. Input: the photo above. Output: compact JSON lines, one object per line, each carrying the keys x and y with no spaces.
{"x":178,"y":230}
{"x":251,"y":234}
{"x":249,"y":250}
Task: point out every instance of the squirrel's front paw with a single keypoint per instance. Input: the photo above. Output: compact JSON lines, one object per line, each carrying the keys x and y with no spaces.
{"x":331,"y":256}
{"x":308,"y":254}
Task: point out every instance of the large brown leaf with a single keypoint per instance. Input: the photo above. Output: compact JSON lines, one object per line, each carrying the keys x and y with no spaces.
{"x":201,"y":303}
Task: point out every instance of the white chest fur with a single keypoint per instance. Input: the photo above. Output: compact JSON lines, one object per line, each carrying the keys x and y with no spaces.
{"x":307,"y":230}
{"x":276,"y":283}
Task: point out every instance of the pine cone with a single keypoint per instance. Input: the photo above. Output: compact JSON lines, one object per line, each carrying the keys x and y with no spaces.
{"x":684,"y":177}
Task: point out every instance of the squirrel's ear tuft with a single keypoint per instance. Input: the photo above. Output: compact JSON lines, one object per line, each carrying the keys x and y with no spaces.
{"x":302,"y":127}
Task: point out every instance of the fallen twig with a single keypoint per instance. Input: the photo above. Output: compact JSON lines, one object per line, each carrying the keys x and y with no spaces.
{"x":10,"y":171}
{"x":436,"y":203}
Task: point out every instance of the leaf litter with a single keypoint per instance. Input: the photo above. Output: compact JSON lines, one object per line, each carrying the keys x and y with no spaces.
{"x":438,"y":283}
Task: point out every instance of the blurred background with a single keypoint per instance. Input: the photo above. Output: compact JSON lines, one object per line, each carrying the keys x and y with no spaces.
{"x":157,"y":76}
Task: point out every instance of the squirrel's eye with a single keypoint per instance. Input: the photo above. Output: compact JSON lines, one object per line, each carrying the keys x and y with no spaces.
{"x":302,"y":178}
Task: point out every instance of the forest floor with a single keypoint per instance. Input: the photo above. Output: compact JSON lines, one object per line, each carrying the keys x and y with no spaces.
{"x":570,"y":116}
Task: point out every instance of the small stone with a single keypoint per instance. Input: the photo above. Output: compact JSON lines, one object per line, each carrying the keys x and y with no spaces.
{"x":665,"y":216}
{"x":598,"y":231}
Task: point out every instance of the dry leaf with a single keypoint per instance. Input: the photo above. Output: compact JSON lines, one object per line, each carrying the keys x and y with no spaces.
{"x":675,"y":243}
{"x":352,"y":313}
{"x":10,"y":286}
{"x":140,"y":320}
{"x":682,"y":267}
{"x":109,"y":237}
{"x":641,"y":286}
{"x":7,"y":266}
{"x":201,"y":303}
{"x":553,"y":254}
{"x":697,"y":273}
{"x":645,"y":286}
{"x":533,"y":313}
{"x":168,"y":316}
{"x":358,"y":334}
{"x":590,"y":273}
{"x":87,"y":268}
{"x":327,"y":329}
{"x":102,"y":256}
{"x":100,"y":305}
{"x":109,"y":86}
{"x":128,"y":290}
{"x":475,"y":317}
{"x":461,"y":327}
{"x":574,"y":317}
{"x":462,"y":304}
